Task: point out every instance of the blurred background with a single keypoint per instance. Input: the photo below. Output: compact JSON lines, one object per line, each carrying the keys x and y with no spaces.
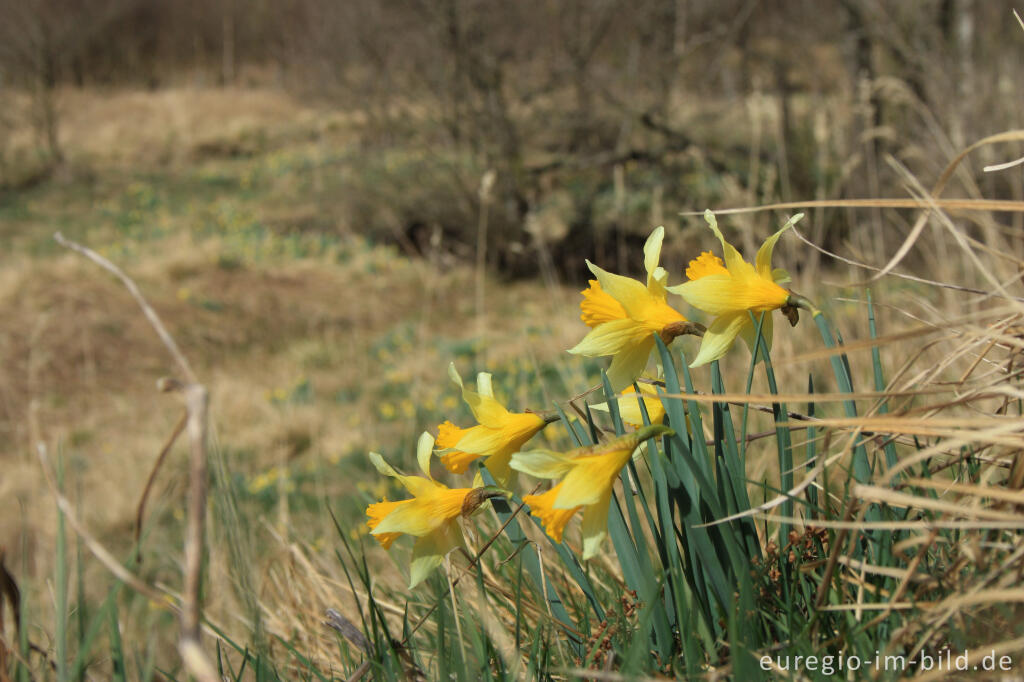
{"x":328,"y":202}
{"x":599,"y":119}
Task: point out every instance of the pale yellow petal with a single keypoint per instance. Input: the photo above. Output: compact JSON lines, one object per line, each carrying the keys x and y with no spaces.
{"x":720,"y":294}
{"x":610,"y":337}
{"x":591,"y":477}
{"x":629,"y":406}
{"x":417,"y":485}
{"x":424,"y":448}
{"x":595,"y":525}
{"x":499,"y":466}
{"x":429,"y":551}
{"x":486,"y":410}
{"x":454,"y":375}
{"x":652,"y":253}
{"x":629,"y":363}
{"x":542,"y":463}
{"x":733,"y":260}
{"x":425,"y":513}
{"x":714,"y":293}
{"x":483,"y":384}
{"x":719,"y":337}
{"x":481,"y":440}
{"x":764,"y":254}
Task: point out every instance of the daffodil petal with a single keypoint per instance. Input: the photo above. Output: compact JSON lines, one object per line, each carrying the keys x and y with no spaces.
{"x":657,"y":282}
{"x":429,"y":551}
{"x":417,"y":485}
{"x":720,"y":336}
{"x":454,"y":375}
{"x":781,"y":276}
{"x":595,"y":525}
{"x":733,"y":260}
{"x":764,"y":254}
{"x":425,"y":448}
{"x":609,"y":338}
{"x":591,"y":477}
{"x":485,"y":408}
{"x":720,"y":294}
{"x":425,"y":513}
{"x":542,"y":463}
{"x":629,"y":407}
{"x":652,"y":252}
{"x":711,"y":293}
{"x":481,"y":440}
{"x":629,"y":363}
{"x":483,"y":385}
{"x":499,"y":466}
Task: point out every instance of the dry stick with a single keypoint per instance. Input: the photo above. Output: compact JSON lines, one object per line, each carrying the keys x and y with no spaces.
{"x":196,"y":404}
{"x":141,"y":510}
{"x":147,"y":310}
{"x":833,"y":558}
{"x":912,"y":278}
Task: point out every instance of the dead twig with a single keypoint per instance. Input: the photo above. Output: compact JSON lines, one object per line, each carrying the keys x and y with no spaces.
{"x":141,"y":510}
{"x":196,"y":400}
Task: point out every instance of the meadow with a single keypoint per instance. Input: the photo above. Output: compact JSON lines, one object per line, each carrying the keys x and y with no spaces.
{"x":856,"y":496}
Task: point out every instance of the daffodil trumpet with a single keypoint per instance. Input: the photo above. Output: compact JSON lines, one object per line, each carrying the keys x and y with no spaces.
{"x":431,"y":515}
{"x":624,"y":315}
{"x":587,"y":476}
{"x":734,"y":291}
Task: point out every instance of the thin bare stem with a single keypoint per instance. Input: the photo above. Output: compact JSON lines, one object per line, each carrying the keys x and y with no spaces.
{"x":196,"y":399}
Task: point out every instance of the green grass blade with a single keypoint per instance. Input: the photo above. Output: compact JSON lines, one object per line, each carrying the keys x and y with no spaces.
{"x":891,"y":458}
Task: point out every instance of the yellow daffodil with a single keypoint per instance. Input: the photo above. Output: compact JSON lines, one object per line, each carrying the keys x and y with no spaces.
{"x":629,"y":406}
{"x":498,"y":434}
{"x":624,"y":315}
{"x":588,"y":475}
{"x":431,"y":515}
{"x":733,"y":290}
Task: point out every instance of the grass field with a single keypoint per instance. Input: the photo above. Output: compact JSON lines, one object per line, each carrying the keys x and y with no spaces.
{"x":233,"y":212}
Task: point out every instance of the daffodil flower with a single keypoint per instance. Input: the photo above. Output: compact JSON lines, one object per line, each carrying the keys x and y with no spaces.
{"x":498,"y":434}
{"x":431,"y":516}
{"x":624,"y":315}
{"x":732,"y":290}
{"x":629,"y":405}
{"x":587,"y":476}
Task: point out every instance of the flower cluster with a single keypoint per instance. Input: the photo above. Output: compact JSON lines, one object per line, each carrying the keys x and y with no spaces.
{"x":624,"y":315}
